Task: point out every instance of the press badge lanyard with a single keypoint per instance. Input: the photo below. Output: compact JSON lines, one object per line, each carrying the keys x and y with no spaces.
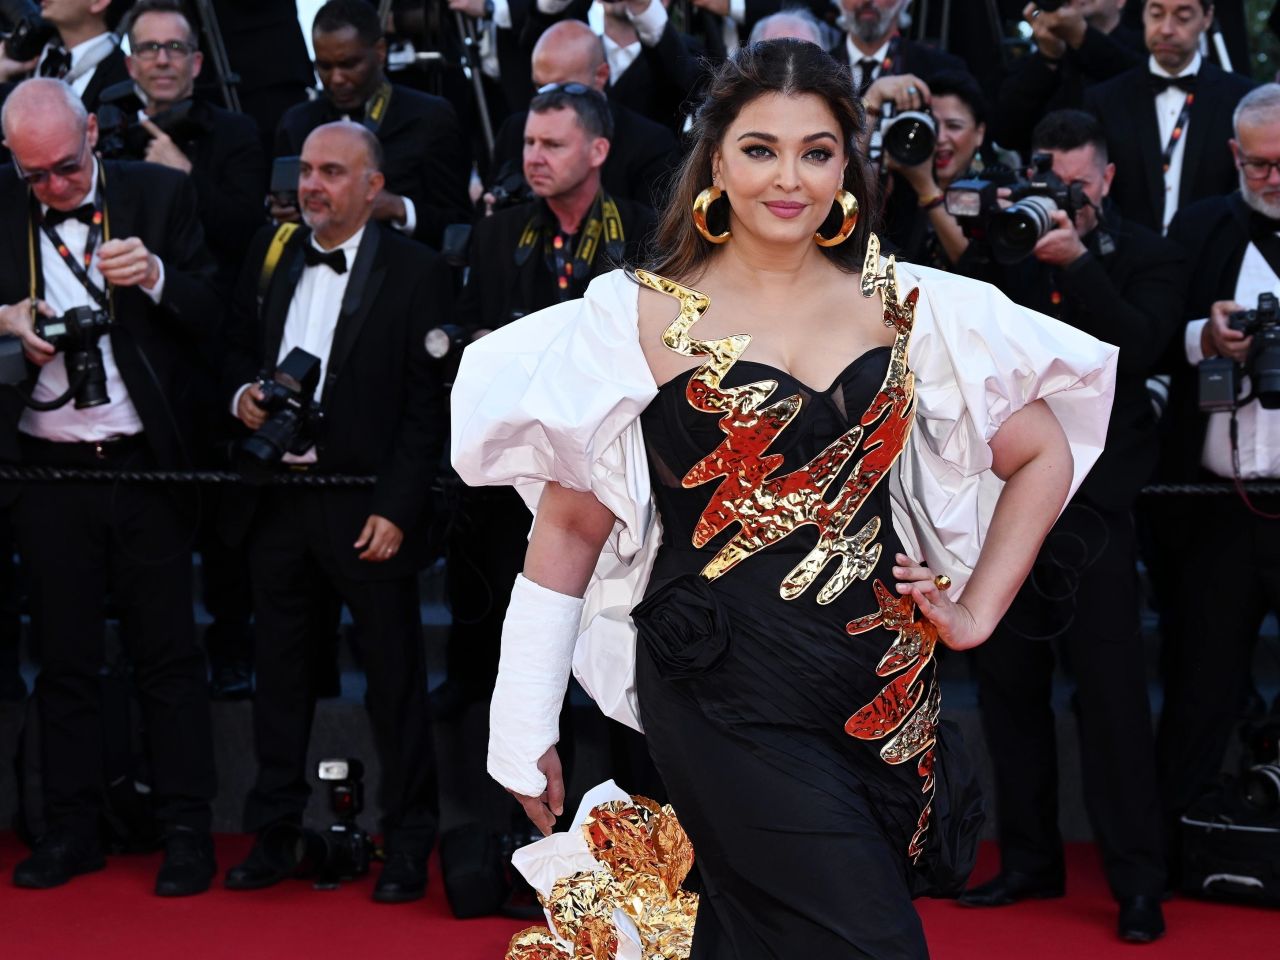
{"x":99,"y":229}
{"x":1166,"y":159}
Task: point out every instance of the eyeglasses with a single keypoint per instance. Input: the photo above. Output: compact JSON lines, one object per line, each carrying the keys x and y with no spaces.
{"x":150,"y":49}
{"x":573,"y":89}
{"x":65,"y":169}
{"x":1257,"y":169}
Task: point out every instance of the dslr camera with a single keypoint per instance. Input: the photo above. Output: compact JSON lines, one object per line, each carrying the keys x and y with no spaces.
{"x":293,"y":415}
{"x":121,"y":135}
{"x":1222,"y":379}
{"x":28,"y":32}
{"x":76,"y":335}
{"x":327,"y":857}
{"x":909,"y":137}
{"x":1012,"y":232}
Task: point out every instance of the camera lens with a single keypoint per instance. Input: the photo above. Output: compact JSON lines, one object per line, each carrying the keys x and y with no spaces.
{"x":257,"y":455}
{"x":93,"y":388}
{"x":1266,"y":368}
{"x":910,"y":138}
{"x":1016,"y":230}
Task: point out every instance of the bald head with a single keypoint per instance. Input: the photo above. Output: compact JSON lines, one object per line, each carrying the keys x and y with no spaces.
{"x":52,"y":140}
{"x":338,"y":180}
{"x":42,"y":106}
{"x":570,"y":52}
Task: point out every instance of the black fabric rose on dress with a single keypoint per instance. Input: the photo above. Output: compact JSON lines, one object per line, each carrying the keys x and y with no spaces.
{"x":683,"y":627}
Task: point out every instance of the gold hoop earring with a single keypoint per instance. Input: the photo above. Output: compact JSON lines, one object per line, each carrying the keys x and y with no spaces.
{"x":701,"y":204}
{"x":849,"y":206}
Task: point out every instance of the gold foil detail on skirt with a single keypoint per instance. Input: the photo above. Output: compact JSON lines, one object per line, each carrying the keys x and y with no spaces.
{"x":645,"y":856}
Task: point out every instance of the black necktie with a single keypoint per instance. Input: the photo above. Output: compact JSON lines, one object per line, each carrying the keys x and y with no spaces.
{"x":56,"y":63}
{"x":1160,"y":84}
{"x":82,"y":213}
{"x":335,"y":260}
{"x":866,"y":67}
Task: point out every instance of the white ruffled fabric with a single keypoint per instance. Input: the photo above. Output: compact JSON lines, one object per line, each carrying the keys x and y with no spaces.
{"x":557,"y":396}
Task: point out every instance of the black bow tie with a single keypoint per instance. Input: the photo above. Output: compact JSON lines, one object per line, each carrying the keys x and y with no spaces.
{"x":57,"y":63}
{"x":1159,"y":84}
{"x":82,"y":213}
{"x":335,"y":260}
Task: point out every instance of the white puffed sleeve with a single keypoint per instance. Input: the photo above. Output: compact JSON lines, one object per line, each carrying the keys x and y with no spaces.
{"x":978,"y":359}
{"x":556,"y":397}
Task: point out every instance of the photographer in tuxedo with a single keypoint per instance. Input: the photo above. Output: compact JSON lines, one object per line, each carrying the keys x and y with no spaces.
{"x":1167,"y":121}
{"x":1234,"y":243}
{"x":359,"y":298}
{"x":121,"y":242}
{"x":84,"y":52}
{"x":427,"y":163}
{"x":1122,"y":283}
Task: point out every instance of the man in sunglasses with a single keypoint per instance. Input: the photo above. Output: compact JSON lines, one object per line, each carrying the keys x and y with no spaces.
{"x":120,"y":241}
{"x":1220,"y":604}
{"x":1123,"y":284}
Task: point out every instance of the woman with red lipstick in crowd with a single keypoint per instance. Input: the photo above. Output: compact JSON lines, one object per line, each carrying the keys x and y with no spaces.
{"x":917,"y":221}
{"x":763,"y":470}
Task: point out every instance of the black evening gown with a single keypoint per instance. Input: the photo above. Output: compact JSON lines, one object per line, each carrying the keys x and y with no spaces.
{"x":809,"y":843}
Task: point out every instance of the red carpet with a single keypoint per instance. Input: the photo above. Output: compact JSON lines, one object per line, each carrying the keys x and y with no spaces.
{"x":112,"y":915}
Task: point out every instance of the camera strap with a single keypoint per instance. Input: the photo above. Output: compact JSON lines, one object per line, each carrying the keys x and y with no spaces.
{"x":602,"y":223}
{"x":375,"y":111}
{"x":1166,"y":158}
{"x":99,"y":230}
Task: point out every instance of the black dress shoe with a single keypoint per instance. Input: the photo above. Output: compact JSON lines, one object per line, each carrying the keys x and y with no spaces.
{"x":1010,"y":887}
{"x":403,"y":877}
{"x":188,"y":866}
{"x":59,"y":856}
{"x":258,"y":870}
{"x":1141,"y":919}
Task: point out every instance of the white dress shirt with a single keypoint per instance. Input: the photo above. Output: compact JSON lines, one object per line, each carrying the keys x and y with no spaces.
{"x":1259,"y":429}
{"x":855,"y":55}
{"x":62,"y":291}
{"x":85,"y":58}
{"x":1168,"y":109}
{"x":313,"y":318}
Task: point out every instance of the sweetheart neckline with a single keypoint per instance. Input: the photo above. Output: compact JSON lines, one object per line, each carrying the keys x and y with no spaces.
{"x":787,"y":374}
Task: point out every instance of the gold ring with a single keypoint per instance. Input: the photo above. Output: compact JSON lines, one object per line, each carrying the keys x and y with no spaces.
{"x":942,"y":582}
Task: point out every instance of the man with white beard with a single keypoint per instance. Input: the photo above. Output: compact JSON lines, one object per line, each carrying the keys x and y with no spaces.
{"x":1230,"y":577}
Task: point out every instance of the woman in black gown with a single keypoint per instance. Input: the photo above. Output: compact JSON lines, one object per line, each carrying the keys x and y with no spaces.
{"x":784,"y":667}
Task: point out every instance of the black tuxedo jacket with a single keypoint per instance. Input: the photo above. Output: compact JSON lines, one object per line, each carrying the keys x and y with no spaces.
{"x":155,"y":346}
{"x":426,"y":156}
{"x":917,"y":58}
{"x":499,"y":291}
{"x":1214,"y":232}
{"x":642,"y":155}
{"x":1126,"y":107}
{"x":659,"y":81}
{"x":1132,"y":298}
{"x":109,"y":72}
{"x":382,"y":403}
{"x":230,"y":174}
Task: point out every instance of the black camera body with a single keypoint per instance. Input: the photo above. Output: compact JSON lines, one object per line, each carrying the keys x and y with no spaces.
{"x":1221,"y":378}
{"x":28,"y":31}
{"x":1260,"y":781}
{"x":908,"y":137}
{"x":284,"y":180}
{"x":293,"y":415}
{"x":121,"y":135}
{"x":76,"y":334}
{"x":1012,"y":232}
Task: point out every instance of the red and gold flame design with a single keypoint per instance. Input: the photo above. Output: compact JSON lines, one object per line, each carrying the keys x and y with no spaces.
{"x":769,"y":508}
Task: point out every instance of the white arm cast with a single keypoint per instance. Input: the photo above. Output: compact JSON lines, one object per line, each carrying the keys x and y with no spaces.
{"x":538,"y":637}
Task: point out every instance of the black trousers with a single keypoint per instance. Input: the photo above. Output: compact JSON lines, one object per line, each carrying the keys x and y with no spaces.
{"x":1090,"y":615}
{"x":1229,"y":581}
{"x":79,"y":543}
{"x":290,"y":553}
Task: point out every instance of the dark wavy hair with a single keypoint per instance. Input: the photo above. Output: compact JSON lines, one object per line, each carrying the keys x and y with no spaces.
{"x":791,"y":68}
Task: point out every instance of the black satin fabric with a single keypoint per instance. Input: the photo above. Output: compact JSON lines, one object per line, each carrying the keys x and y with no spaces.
{"x":801,"y":831}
